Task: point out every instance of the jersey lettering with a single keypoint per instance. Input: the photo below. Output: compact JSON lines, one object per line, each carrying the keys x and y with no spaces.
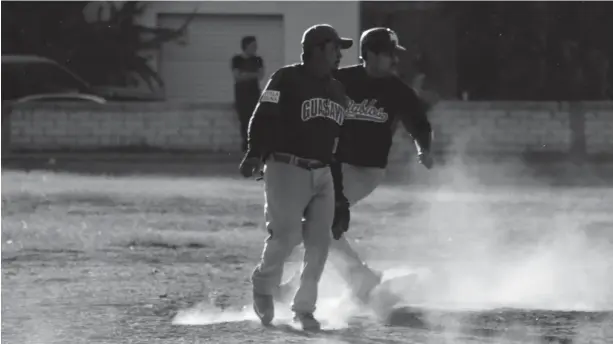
{"x":319,"y":107}
{"x":366,"y":111}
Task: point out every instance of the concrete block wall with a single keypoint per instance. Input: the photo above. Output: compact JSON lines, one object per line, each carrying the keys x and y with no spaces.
{"x":497,"y":128}
{"x":599,"y":131}
{"x":169,"y":126}
{"x":516,"y":128}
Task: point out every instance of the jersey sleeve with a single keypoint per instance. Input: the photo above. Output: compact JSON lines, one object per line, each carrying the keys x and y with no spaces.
{"x":267,"y":111}
{"x":260,"y":62}
{"x":413,"y":113}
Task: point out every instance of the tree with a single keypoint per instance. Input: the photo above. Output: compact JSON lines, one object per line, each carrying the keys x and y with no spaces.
{"x":105,"y":51}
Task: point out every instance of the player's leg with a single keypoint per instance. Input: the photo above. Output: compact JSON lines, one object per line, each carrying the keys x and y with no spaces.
{"x":287,"y":192}
{"x":316,"y":236}
{"x":360,"y":277}
{"x":358,"y":183}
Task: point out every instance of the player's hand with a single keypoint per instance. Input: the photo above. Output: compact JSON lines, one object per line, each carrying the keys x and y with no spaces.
{"x":426,"y":160}
{"x":250,"y":166}
{"x":342,"y":217}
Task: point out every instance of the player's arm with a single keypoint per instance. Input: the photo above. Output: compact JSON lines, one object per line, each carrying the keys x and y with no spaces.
{"x":238,"y":73}
{"x":337,"y":176}
{"x":342,"y":215}
{"x":340,"y":96}
{"x":267,"y":111}
{"x":260,"y":68}
{"x":414,"y":118}
{"x":235,"y":65}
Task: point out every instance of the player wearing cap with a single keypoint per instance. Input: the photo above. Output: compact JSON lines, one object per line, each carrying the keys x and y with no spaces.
{"x":378,"y":100}
{"x":294,"y":132}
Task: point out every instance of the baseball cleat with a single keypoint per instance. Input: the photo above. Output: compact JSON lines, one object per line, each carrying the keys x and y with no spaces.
{"x":388,"y":294}
{"x":264,"y":307}
{"x":307,"y":321}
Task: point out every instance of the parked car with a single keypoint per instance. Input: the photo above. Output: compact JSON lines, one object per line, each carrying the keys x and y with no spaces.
{"x":27,"y":78}
{"x":114,"y":93}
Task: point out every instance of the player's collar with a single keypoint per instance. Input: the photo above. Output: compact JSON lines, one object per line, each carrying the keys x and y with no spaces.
{"x":316,"y":71}
{"x":376,"y":77}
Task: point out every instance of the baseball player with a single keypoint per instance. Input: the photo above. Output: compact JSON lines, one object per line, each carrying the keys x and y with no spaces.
{"x":378,"y":100}
{"x":294,"y":132}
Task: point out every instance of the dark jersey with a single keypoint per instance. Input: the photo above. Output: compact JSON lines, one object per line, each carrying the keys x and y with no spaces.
{"x":299,"y":114}
{"x":251,"y":87}
{"x":375,"y":106}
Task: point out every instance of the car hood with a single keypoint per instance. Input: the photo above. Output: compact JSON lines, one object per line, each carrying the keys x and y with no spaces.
{"x":59,"y":96}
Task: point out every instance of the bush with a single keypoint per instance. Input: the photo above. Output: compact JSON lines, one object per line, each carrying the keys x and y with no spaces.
{"x":105,"y":51}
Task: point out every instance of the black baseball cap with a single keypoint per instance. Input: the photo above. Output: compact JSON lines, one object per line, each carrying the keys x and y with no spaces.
{"x":323,"y":33}
{"x":379,"y":39}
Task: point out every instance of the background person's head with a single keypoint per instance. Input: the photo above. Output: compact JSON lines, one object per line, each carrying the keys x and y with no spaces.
{"x":322,"y":45}
{"x":249,"y":45}
{"x":379,"y":49}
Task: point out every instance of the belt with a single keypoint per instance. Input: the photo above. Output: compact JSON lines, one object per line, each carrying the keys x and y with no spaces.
{"x":307,"y":164}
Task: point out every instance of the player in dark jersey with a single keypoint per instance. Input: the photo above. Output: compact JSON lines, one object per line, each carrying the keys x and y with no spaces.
{"x":378,"y":100}
{"x":294,"y":132}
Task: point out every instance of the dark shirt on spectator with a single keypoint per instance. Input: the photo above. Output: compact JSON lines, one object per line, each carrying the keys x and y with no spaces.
{"x":247,"y":88}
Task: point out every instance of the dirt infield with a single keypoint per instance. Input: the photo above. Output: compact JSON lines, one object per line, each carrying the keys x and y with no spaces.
{"x":148,"y":258}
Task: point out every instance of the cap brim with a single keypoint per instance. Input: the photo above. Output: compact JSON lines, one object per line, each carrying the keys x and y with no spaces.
{"x":345,"y":43}
{"x":400,"y":47}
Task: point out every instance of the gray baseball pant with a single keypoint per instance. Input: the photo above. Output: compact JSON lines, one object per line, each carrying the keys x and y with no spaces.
{"x":291,"y":194}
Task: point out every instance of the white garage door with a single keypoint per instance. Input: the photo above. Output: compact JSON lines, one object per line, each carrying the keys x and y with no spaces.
{"x":199,"y":69}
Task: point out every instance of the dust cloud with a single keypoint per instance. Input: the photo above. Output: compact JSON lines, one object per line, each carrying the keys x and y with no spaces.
{"x":511,"y":239}
{"x":333,"y":312}
{"x":334,"y":306}
{"x":204,"y":314}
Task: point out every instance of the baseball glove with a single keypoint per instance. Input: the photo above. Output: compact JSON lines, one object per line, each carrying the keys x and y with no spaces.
{"x":342,"y":217}
{"x":250,"y":166}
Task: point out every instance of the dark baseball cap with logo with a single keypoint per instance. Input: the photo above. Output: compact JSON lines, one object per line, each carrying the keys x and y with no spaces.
{"x":379,"y":39}
{"x":323,"y":33}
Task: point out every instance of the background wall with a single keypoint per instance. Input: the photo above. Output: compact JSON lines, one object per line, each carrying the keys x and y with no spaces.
{"x":426,"y":29}
{"x":479,"y":128}
{"x":297,"y":17}
{"x":500,"y":51}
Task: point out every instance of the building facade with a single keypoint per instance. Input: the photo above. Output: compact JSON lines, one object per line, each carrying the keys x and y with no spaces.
{"x":197,"y":67}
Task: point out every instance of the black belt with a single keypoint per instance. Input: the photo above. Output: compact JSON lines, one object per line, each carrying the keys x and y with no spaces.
{"x":307,"y":164}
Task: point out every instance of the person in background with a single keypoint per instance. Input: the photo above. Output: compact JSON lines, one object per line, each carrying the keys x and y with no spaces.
{"x":248,"y":71}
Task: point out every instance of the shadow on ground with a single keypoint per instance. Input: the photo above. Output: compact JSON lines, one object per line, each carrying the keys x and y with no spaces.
{"x":503,"y":172}
{"x":528,"y":326}
{"x":185,"y":165}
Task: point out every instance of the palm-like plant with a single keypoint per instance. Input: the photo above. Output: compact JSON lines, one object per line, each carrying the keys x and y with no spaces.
{"x":111,"y":48}
{"x":105,"y":51}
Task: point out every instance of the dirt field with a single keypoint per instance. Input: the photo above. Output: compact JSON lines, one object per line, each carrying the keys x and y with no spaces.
{"x":138,"y":259}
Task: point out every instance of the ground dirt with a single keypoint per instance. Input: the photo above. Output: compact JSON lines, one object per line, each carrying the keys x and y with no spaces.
{"x":122,"y":254}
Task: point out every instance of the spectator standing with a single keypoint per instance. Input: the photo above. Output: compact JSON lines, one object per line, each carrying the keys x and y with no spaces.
{"x":248,"y":70}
